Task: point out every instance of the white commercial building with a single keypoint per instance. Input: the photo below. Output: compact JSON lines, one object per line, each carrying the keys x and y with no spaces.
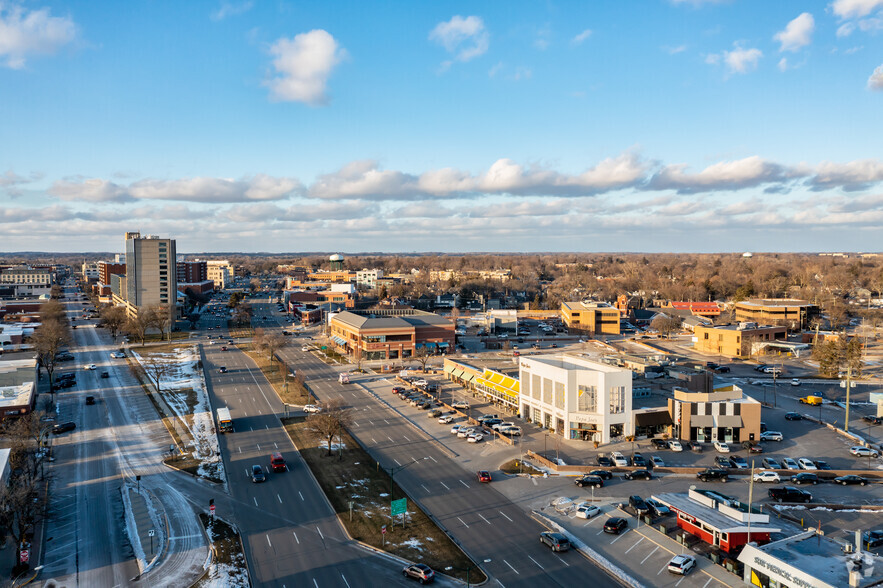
{"x":368,"y":277}
{"x":576,"y":397}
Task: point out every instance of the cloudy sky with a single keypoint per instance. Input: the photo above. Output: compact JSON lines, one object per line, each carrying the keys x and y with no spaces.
{"x":236,"y":125}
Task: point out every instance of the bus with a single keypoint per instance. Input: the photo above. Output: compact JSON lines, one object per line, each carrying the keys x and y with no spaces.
{"x":225,"y":421}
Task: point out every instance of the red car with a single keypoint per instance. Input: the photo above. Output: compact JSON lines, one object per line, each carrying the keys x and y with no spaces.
{"x":277,"y":464}
{"x":224,"y":348}
{"x":755,"y":449}
{"x":484,"y":476}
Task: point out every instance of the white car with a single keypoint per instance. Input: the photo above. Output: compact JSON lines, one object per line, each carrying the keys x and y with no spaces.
{"x":585,"y":510}
{"x":118,"y":354}
{"x":675,"y":445}
{"x":498,"y":426}
{"x":475,"y":437}
{"x":513,"y":430}
{"x":445,"y":419}
{"x":795,"y":382}
{"x":304,"y":348}
{"x":806,"y":464}
{"x":790,"y":464}
{"x":312,"y":408}
{"x":771,"y":436}
{"x":464,"y":433}
{"x":860,"y":451}
{"x":619,"y":459}
{"x":721,"y":447}
{"x":766,"y":476}
{"x":657,"y":462}
{"x":681,"y":564}
{"x":456,"y":429}
{"x":460,"y":405}
{"x":91,"y":366}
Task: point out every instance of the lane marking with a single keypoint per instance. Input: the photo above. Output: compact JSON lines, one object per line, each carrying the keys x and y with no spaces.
{"x":536,"y":562}
{"x":635,"y":545}
{"x":427,"y":489}
{"x":268,"y":542}
{"x":344,"y":581}
{"x":301,"y":495}
{"x":397,"y":462}
{"x":406,"y":438}
{"x":651,"y":553}
{"x":255,"y":500}
{"x":484,"y":519}
{"x":464,"y":483}
{"x":464,"y":524}
{"x":295,"y":537}
{"x":504,"y":514}
{"x":510,"y":566}
{"x":280,"y":498}
{"x":432,"y":458}
{"x":320,"y":533}
{"x":445,"y":485}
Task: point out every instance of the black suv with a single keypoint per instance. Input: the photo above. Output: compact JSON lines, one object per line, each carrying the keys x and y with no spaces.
{"x":639,"y":461}
{"x":710,"y":474}
{"x":638,"y":474}
{"x":789,"y":494}
{"x":63,"y":427}
{"x":590,"y":480}
{"x":605,"y":462}
{"x":659,"y":443}
{"x":640,"y":506}
{"x":805,"y":478}
{"x":603,"y":474}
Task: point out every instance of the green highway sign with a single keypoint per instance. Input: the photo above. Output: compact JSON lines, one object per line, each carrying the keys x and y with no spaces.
{"x":398,"y":507}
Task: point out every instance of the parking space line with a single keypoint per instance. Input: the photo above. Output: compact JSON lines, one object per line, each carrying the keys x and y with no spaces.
{"x":280,"y":498}
{"x":536,"y":562}
{"x":562,"y":561}
{"x":432,"y":458}
{"x":443,"y":484}
{"x":679,"y":581}
{"x":649,"y":554}
{"x":620,"y":536}
{"x":295,"y":537}
{"x":707,"y":583}
{"x":255,"y":500}
{"x":464,"y":524}
{"x":406,"y":438}
{"x":510,"y":566}
{"x":390,"y":439}
{"x":427,"y":489}
{"x":484,"y":519}
{"x":464,"y":483}
{"x":665,"y":567}
{"x":635,"y":545}
{"x":397,"y":462}
{"x":301,"y":495}
{"x":504,"y":514}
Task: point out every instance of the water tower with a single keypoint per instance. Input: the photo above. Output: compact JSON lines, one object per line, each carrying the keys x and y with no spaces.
{"x":336,"y":262}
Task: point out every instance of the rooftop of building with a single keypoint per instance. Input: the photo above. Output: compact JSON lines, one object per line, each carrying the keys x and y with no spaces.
{"x":586,"y":305}
{"x":571,"y":362}
{"x":715,"y":517}
{"x":742,"y":327}
{"x":820,"y":557}
{"x":392,"y":318}
{"x":774,"y":302}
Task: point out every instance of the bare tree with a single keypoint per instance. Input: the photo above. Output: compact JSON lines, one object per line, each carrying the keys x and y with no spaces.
{"x":157,"y":368}
{"x":161,"y":318}
{"x":48,"y":340}
{"x":666,"y":325}
{"x":242,"y":314}
{"x":23,"y":504}
{"x":113,"y":318}
{"x":334,"y":417}
{"x":52,"y":310}
{"x":422,"y":356}
{"x":137,"y":325}
{"x":268,"y":343}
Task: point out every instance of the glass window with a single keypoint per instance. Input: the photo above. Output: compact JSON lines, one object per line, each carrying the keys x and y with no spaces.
{"x":587,"y":400}
{"x":559,"y":395}
{"x":617,"y":399}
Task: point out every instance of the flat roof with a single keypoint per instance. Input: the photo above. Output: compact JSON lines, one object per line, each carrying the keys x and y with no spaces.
{"x":710,"y":516}
{"x":580,"y":305}
{"x":736,"y":328}
{"x":384,"y":319}
{"x":15,"y":372}
{"x":775,"y":302}
{"x":572,"y":363}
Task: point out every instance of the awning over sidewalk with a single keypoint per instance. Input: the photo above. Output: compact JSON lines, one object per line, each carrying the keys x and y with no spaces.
{"x":457,"y":373}
{"x":732,"y":421}
{"x":701,"y":420}
{"x":652,"y":419}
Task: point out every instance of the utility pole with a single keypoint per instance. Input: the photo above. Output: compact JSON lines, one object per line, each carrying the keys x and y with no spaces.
{"x":848,"y":389}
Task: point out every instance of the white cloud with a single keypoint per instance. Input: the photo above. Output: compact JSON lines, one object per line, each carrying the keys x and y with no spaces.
{"x":850,"y":176}
{"x":845,"y":29}
{"x":783,"y":64}
{"x":228,"y":8}
{"x":875,"y":82}
{"x":200,"y":189}
{"x":726,"y":175}
{"x":303,"y":65}
{"x":578,"y":39}
{"x":741,"y":60}
{"x":464,"y":38}
{"x":797,"y":33}
{"x":674,"y":50}
{"x":24,"y":33}
{"x":855,"y":8}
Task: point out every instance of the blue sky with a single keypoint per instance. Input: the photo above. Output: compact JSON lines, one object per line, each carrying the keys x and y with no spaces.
{"x":666,"y":125}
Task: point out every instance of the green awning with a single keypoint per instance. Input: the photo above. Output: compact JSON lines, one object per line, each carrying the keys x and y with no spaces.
{"x":457,"y":373}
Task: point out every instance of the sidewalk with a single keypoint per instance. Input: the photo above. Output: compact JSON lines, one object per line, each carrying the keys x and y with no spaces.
{"x":142,"y":523}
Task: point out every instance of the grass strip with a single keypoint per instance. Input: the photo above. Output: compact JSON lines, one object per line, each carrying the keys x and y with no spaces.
{"x":351,"y":476}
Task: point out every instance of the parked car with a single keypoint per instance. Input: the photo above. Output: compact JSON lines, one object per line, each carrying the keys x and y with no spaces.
{"x":605,"y":462}
{"x":105,"y":375}
{"x":277,"y":463}
{"x":659,"y":443}
{"x":789,"y":494}
{"x":444,"y":420}
{"x":312,"y":408}
{"x":463,"y":433}
{"x":811,"y":400}
{"x":484,"y":476}
{"x":90,"y":400}
{"x":616,"y":525}
{"x":434,"y":413}
{"x":555,"y":541}
{"x":767,"y":476}
{"x":475,"y":437}
{"x":860,"y":451}
{"x":872,"y":539}
{"x":711,"y":474}
{"x":721,"y":447}
{"x":682,"y":564}
{"x":420,"y":572}
{"x":850,"y":479}
{"x":755,"y":448}
{"x":511,"y":430}
{"x":639,"y":505}
{"x":657,"y":462}
{"x":738,"y":462}
{"x":806,"y":464}
{"x":589,"y":480}
{"x":586,"y":510}
{"x":874,"y":420}
{"x":638,"y":475}
{"x":790,"y":464}
{"x":771,"y":436}
{"x":638,"y":460}
{"x":257,"y":474}
{"x":722,"y":461}
{"x":222,"y":369}
{"x":460,"y":405}
{"x":675,"y":445}
{"x":619,"y":459}
{"x":822,"y":465}
{"x":793,"y":416}
{"x":603,"y":474}
{"x":456,"y":429}
{"x":657,"y":509}
{"x":805,"y":478}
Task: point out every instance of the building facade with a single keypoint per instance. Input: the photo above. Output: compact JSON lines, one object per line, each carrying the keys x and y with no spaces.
{"x":390,"y":334}
{"x":784,"y":312}
{"x":191,"y":272}
{"x":726,"y":414}
{"x":576,"y":397}
{"x":367,"y":278}
{"x":597,"y":318}
{"x":220,"y":272}
{"x":742,"y":340}
{"x":27,"y":281}
{"x":151,"y":276}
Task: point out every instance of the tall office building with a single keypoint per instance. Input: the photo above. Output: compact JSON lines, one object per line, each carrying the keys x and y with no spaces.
{"x":151,"y":276}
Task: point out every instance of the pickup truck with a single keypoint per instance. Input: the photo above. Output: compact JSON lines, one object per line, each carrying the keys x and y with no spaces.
{"x":789,"y":494}
{"x":710,"y":474}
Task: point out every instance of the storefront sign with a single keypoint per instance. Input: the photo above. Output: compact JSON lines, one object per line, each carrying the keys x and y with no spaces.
{"x":772,"y":569}
{"x":584,"y":418}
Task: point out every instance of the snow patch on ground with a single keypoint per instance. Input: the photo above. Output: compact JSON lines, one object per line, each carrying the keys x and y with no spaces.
{"x":185,"y":377}
{"x":413,"y":543}
{"x":226,"y":575}
{"x":334,"y":446}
